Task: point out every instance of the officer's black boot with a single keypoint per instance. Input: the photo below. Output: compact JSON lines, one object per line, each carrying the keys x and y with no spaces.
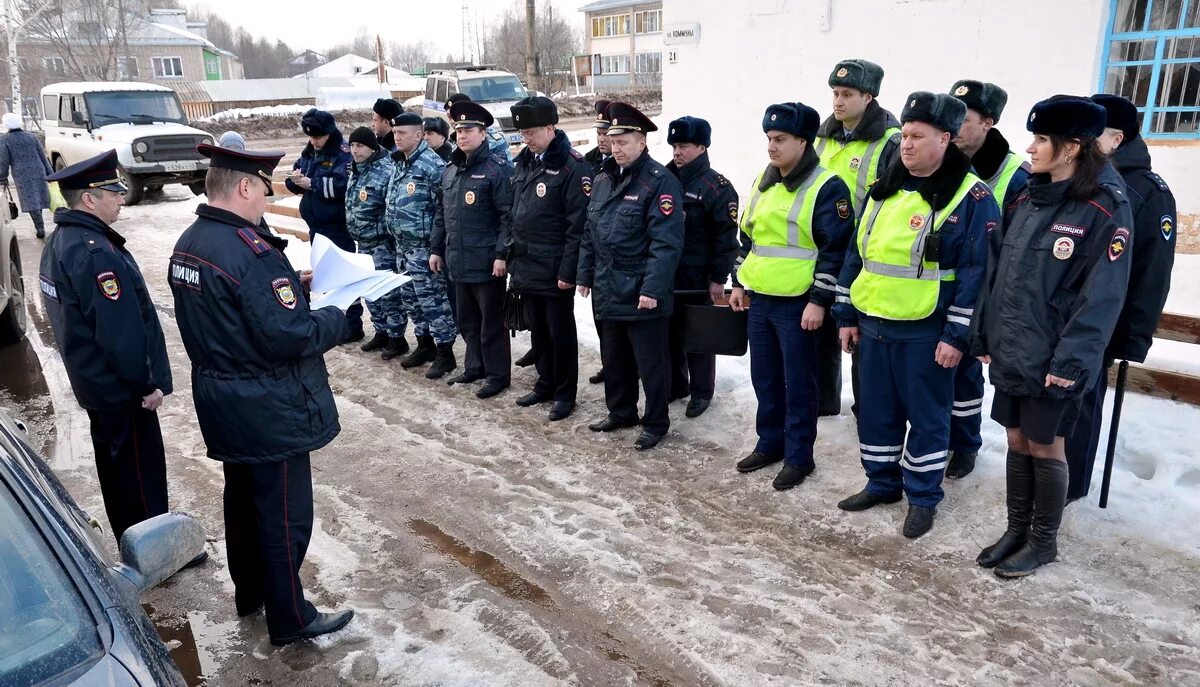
{"x":961,"y":464}
{"x":1049,"y":499}
{"x":1019,"y":476}
{"x":443,"y":362}
{"x":526,"y":360}
{"x":396,"y":347}
{"x":380,"y":340}
{"x":425,"y":352}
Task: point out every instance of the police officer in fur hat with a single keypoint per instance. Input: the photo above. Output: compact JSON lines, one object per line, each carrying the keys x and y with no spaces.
{"x":907,"y":296}
{"x":382,"y":114}
{"x":710,"y":206}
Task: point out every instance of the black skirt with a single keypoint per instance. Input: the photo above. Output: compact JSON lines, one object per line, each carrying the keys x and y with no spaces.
{"x":1039,"y":419}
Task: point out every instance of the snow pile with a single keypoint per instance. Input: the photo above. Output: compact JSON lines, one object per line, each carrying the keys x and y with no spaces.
{"x":279,"y":110}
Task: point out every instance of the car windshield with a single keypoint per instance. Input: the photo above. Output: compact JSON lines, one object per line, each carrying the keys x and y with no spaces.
{"x":137,"y":107}
{"x":491,"y":89}
{"x":46,"y":629}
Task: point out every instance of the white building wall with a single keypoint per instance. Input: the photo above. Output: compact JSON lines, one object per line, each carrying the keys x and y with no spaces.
{"x":753,"y":53}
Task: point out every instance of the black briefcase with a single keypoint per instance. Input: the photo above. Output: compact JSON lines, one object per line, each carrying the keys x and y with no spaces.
{"x":715,"y":330}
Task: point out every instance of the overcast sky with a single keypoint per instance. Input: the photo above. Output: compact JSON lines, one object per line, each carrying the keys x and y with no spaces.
{"x":319,"y":24}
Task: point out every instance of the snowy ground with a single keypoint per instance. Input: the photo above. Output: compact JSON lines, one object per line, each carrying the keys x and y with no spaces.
{"x":482,"y":545}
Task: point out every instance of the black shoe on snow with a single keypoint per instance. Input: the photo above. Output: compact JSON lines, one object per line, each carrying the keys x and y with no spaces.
{"x":425,"y":352}
{"x":610,"y":424}
{"x":865,"y":499}
{"x":467,"y":377}
{"x":323,"y":624}
{"x":443,"y":362}
{"x":918,"y":521}
{"x":697,"y":406}
{"x":597,"y":378}
{"x":792,"y":475}
{"x":377,"y":342}
{"x":532,"y":398}
{"x":961,"y":464}
{"x":756,"y":461}
{"x":491,"y":389}
{"x":1049,"y":499}
{"x":526,"y":360}
{"x":647,"y":441}
{"x":561,"y":410}
{"x":353,"y":336}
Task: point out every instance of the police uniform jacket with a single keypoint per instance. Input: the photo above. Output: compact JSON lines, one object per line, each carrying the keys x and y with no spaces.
{"x":366,"y":200}
{"x":324,"y":206}
{"x":1153,"y":207}
{"x":258,"y":374}
{"x":1058,"y":276}
{"x":632,"y":240}
{"x":550,"y":200}
{"x":963,"y":250}
{"x":989,"y":160}
{"x":473,"y":220}
{"x":412,"y":196}
{"x":104,"y":323}
{"x":710,"y":229}
{"x":596,"y":159}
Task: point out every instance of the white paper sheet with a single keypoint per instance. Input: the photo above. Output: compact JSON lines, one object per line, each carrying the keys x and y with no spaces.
{"x":341,"y":277}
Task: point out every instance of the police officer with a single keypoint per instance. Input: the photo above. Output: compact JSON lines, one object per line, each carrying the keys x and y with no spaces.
{"x":710,"y":205}
{"x":794,"y":239}
{"x":471,"y":231}
{"x":111,"y":342}
{"x":260,"y":386}
{"x":411,"y":206}
{"x":320,"y":175}
{"x":366,"y":220}
{"x":906,"y":295}
{"x":1059,"y":274}
{"x":1005,"y":172}
{"x":596,"y":157}
{"x":496,"y":139}
{"x":1153,"y":208}
{"x":382,"y":114}
{"x":551,"y":186}
{"x":437,"y":135}
{"x":630,"y":251}
{"x":857,"y":142}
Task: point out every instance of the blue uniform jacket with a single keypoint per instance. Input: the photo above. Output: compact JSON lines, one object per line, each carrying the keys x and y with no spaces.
{"x":964,"y":249}
{"x":323,"y":207}
{"x":473,"y":221}
{"x":366,"y":200}
{"x":258,"y":373}
{"x":104,"y":323}
{"x":632,"y":240}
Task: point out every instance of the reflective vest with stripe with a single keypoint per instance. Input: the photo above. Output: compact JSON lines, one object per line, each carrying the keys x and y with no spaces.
{"x":999,"y":183}
{"x":856,"y":162}
{"x":783,"y":259}
{"x":896,"y":282}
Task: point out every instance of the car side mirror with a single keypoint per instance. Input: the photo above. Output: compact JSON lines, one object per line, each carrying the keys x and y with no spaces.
{"x":155,"y":549}
{"x":78,"y":119}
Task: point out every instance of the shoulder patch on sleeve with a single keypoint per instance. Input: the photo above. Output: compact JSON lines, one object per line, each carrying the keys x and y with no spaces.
{"x":733,"y":210}
{"x":255,"y":242}
{"x":284,"y":293}
{"x":980,"y":191}
{"x":843,"y":208}
{"x":586,"y":183}
{"x":49,"y":288}
{"x":110,"y":287}
{"x":666,"y":204}
{"x":1166,"y":225}
{"x":1118,"y":244}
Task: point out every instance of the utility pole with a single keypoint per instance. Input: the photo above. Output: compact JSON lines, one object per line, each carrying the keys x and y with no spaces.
{"x":12,"y":30}
{"x":530,"y":57}
{"x":124,"y":41}
{"x":465,"y":24}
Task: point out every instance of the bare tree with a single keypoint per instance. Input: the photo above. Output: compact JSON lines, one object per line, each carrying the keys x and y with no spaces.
{"x":362,"y":45}
{"x":87,"y":35}
{"x":555,"y":42}
{"x":411,"y":57}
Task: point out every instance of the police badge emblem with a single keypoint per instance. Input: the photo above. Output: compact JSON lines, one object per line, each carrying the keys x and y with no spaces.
{"x":541,"y":190}
{"x":470,"y":197}
{"x":1064,"y":247}
{"x":411,"y":188}
{"x":961,"y":90}
{"x":586,"y":182}
{"x":666,"y":205}
{"x":842,"y":72}
{"x":362,"y":196}
{"x":855,"y":162}
{"x":916,"y":222}
{"x":109,"y":286}
{"x":284,"y":292}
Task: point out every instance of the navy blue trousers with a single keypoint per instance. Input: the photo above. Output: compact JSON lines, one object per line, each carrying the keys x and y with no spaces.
{"x":783,"y":369}
{"x":966,"y":419}
{"x":131,"y":465}
{"x":1084,"y":442}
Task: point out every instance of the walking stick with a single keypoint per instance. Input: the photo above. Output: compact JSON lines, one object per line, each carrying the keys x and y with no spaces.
{"x":1118,"y":398}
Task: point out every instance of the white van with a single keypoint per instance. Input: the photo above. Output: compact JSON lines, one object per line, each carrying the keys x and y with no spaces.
{"x":495,"y":89}
{"x":145,"y":123}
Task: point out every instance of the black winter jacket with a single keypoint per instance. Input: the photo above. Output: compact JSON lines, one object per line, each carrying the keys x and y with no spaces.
{"x":473,"y":221}
{"x":104,"y":322}
{"x":710,"y":225}
{"x":632,"y":240}
{"x":258,"y":373}
{"x":549,"y":208}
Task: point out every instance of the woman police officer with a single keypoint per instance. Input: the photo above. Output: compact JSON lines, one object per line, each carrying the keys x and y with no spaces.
{"x":1058,"y":277}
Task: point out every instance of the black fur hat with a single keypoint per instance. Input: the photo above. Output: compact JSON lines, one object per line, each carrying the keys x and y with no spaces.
{"x":690,"y":130}
{"x":387,"y":108}
{"x":987,"y":99}
{"x":1122,"y":114}
{"x":796,"y":119}
{"x":938,"y":109}
{"x":1067,"y":115}
{"x":534,"y":111}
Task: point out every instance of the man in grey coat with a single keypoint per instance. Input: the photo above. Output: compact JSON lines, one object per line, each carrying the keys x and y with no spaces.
{"x":23,"y":153}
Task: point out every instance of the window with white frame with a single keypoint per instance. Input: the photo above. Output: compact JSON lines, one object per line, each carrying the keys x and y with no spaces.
{"x":649,"y":21}
{"x":1153,"y":58}
{"x":168,"y":67}
{"x":54,"y":66}
{"x":612,"y":64}
{"x":610,"y":25}
{"x":127,"y":67}
{"x":648,"y":63}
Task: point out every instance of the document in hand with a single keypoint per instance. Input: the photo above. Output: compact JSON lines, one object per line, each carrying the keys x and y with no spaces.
{"x":340,"y":277}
